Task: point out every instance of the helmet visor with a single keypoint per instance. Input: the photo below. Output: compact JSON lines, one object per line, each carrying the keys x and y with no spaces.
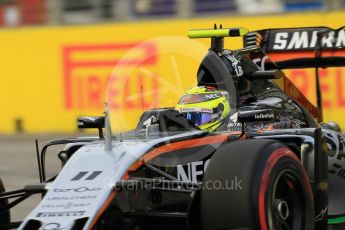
{"x":200,"y":118}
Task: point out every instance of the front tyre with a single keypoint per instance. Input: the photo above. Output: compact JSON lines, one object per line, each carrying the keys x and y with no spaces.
{"x":264,"y":186}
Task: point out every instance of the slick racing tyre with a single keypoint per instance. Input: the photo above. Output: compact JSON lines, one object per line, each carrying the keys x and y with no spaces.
{"x":4,"y":215}
{"x":256,"y":184}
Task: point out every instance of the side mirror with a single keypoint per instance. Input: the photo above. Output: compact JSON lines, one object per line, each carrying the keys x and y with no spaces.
{"x":269,"y":74}
{"x":256,"y":115}
{"x":96,"y":122}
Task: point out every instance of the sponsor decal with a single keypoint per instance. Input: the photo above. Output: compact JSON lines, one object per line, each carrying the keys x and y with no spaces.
{"x":190,"y":98}
{"x":60,"y":214}
{"x":196,"y":98}
{"x":304,"y":39}
{"x":336,"y":147}
{"x":206,"y":110}
{"x":235,"y":128}
{"x":212,"y":96}
{"x":80,"y":189}
{"x":235,"y":125}
{"x":264,"y":116}
{"x":72,"y":197}
{"x":335,"y":144}
{"x":235,"y":64}
{"x":66,"y":206}
{"x":86,"y":175}
{"x":192,"y":172}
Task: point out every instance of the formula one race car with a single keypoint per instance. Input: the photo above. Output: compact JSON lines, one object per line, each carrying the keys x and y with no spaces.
{"x":272,"y":165}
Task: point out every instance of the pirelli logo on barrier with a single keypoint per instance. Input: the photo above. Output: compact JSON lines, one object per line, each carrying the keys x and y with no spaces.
{"x":88,"y":74}
{"x":332,"y":82}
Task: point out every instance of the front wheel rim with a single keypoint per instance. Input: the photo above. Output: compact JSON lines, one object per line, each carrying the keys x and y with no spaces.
{"x":287,"y":203}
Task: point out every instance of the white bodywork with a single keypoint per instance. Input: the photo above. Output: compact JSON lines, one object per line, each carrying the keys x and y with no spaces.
{"x":87,"y":180}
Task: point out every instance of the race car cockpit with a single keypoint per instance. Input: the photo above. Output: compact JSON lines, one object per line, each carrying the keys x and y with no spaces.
{"x":250,"y":86}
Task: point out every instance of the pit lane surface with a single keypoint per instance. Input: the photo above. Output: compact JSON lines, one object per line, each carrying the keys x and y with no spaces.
{"x":18,"y":166}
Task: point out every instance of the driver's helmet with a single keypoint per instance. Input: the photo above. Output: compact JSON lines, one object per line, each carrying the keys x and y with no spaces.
{"x":206,"y":107}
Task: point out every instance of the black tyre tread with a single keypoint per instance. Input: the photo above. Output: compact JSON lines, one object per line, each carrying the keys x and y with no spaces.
{"x":243,"y":159}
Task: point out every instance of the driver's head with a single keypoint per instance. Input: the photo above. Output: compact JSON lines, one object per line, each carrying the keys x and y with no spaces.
{"x":206,"y":107}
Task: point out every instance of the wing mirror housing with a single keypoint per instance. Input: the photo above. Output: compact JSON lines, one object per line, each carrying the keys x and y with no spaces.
{"x":256,"y":115}
{"x":269,"y":74}
{"x":92,"y":122}
{"x":261,"y":115}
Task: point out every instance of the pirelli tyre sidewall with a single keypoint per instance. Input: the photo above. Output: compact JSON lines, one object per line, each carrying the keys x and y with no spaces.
{"x":257,"y":176}
{"x":5,"y":217}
